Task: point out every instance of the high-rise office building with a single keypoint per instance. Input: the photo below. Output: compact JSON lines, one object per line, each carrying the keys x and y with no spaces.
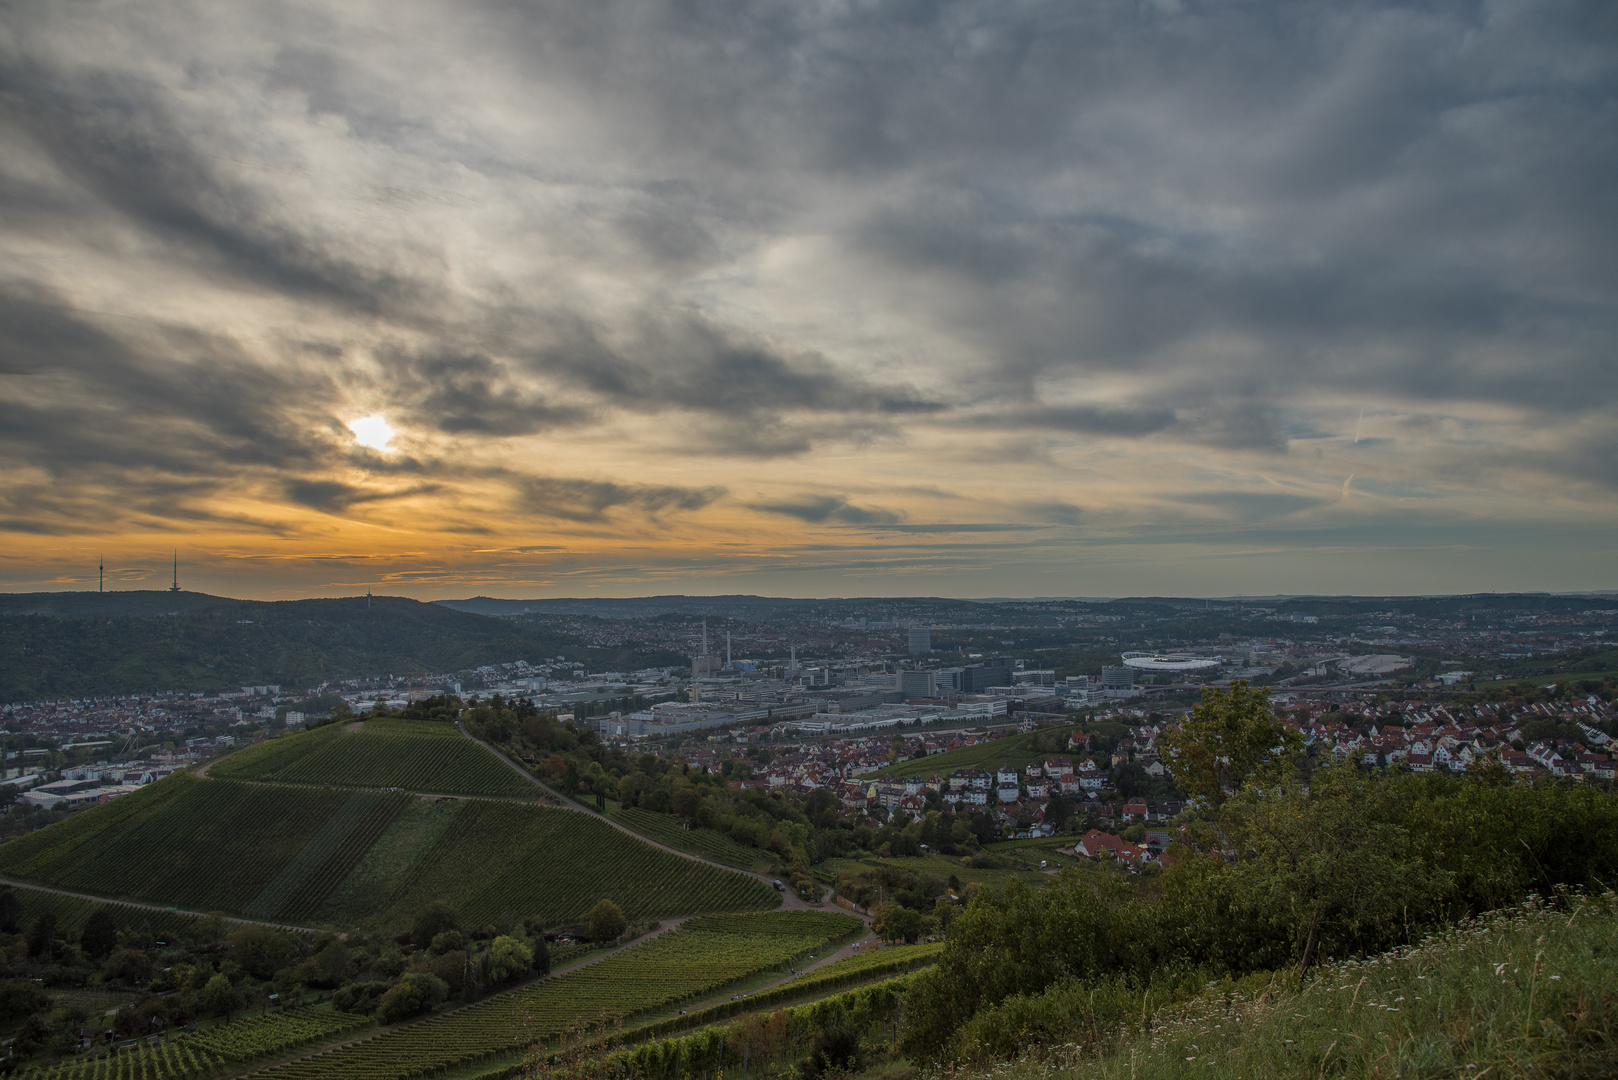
{"x":917,"y":684}
{"x":1117,"y":678}
{"x":976,"y":678}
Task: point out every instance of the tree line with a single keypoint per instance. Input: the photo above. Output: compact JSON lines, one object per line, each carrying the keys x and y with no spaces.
{"x":1286,"y":861}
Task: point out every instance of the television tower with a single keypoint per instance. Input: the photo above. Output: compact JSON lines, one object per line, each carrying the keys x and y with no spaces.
{"x":101,"y":576}
{"x":176,"y":586}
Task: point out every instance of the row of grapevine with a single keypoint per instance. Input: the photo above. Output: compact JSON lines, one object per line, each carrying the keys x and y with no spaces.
{"x":714,"y":1050}
{"x":407,"y":754}
{"x":28,"y":855}
{"x":284,"y":853}
{"x":505,"y":860}
{"x":381,"y":812}
{"x":880,"y":964}
{"x":700,"y":958}
{"x":72,"y":912}
{"x":205,"y":845}
{"x":302,"y":874}
{"x":708,"y":843}
{"x":269,"y":757}
{"x":203,"y":1053}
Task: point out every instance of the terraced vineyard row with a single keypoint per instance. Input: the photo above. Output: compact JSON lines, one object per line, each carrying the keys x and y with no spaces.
{"x":699,"y":958}
{"x":879,"y":963}
{"x":286,"y":853}
{"x":410,"y":754}
{"x":72,"y":912}
{"x":707,"y":843}
{"x":201,"y":844}
{"x":273,"y":755}
{"x":328,"y":856}
{"x":496,"y":861}
{"x":203,"y":1053}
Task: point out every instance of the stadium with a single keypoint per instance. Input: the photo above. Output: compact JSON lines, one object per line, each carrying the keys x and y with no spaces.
{"x":1161,"y":663}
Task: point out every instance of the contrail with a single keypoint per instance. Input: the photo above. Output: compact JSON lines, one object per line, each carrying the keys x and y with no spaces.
{"x":1346,"y":483}
{"x":1357,"y":424}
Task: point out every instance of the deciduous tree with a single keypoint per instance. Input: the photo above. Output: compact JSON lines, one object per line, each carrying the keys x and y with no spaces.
{"x":432,"y":920}
{"x":1227,"y":736}
{"x":605,"y":922}
{"x":100,"y":934}
{"x":1317,"y":858}
{"x":896,"y":923}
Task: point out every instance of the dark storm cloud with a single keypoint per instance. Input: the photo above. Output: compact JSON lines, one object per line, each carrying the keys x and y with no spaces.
{"x":681,"y":359}
{"x":1081,"y":420}
{"x":753,"y":228}
{"x":593,"y":500}
{"x":140,"y":395}
{"x":820,"y":509}
{"x":1253,"y":505}
{"x":1055,"y":513}
{"x":966,"y":527}
{"x":334,"y":496}
{"x":117,"y":139}
{"x":138,"y":418}
{"x":474,"y":394}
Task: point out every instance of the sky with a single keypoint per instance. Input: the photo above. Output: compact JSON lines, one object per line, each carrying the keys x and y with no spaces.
{"x":800,"y":298}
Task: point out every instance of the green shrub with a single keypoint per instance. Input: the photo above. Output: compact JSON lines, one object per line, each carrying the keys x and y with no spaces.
{"x":434,"y":919}
{"x":19,"y":999}
{"x":415,"y":993}
{"x":359,"y":997}
{"x":605,"y":921}
{"x":508,"y":959}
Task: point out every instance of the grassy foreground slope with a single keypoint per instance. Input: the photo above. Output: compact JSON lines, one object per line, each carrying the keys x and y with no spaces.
{"x":415,"y":755}
{"x":1528,"y":992}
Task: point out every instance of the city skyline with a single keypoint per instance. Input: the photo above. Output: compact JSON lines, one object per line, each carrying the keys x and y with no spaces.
{"x":802,"y":300}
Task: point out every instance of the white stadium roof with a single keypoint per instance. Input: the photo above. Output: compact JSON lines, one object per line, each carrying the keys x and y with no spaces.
{"x":1162,"y":662}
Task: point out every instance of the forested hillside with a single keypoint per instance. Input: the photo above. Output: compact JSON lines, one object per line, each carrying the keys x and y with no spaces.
{"x":77,"y":644}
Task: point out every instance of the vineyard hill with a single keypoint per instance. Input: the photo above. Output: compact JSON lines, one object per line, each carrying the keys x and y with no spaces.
{"x":362,"y":825}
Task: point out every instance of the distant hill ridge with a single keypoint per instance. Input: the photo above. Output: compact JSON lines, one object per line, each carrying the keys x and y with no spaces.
{"x":56,"y":645}
{"x":749,"y":606}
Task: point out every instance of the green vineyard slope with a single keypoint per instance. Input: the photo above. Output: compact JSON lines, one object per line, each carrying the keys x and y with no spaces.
{"x":700,"y":958}
{"x":502,"y":861}
{"x":414,"y":755}
{"x":203,"y":1053}
{"x":705,"y":843}
{"x":365,"y":858}
{"x":207,"y":845}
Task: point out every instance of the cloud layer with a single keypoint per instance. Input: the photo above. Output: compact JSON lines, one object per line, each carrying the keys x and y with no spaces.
{"x":971,"y":298}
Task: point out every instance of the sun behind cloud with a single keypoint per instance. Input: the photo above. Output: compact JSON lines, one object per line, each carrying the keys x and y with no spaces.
{"x":373,"y":431}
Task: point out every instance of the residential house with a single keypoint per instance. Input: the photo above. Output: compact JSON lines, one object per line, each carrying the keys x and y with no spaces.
{"x":1096,"y":844}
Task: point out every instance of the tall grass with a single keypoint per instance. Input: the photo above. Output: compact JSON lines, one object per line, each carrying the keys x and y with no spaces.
{"x":1531,"y":991}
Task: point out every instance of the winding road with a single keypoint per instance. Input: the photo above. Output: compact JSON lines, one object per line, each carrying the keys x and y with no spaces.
{"x":789,"y":901}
